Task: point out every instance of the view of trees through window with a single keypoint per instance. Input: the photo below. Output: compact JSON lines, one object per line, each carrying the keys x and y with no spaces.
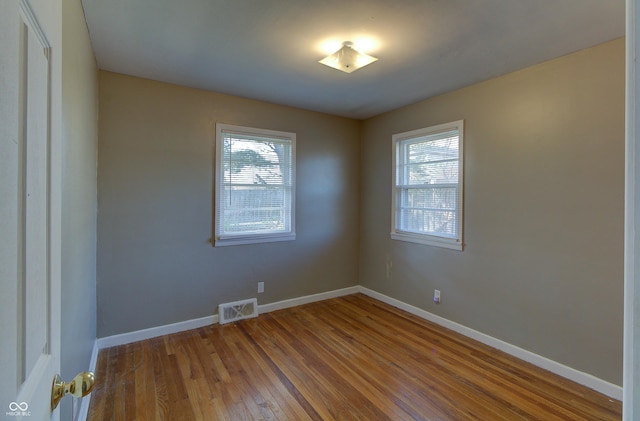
{"x":427,"y":185}
{"x":257,"y":184}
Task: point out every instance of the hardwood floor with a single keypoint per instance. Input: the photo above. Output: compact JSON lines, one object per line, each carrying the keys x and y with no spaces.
{"x":348,"y":358}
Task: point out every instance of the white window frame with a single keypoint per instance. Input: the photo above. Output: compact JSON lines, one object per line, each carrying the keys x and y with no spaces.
{"x":400,"y":139}
{"x":229,"y":239}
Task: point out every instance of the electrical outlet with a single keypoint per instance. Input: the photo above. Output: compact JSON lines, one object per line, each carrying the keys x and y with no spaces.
{"x":436,"y":296}
{"x":260,"y":287}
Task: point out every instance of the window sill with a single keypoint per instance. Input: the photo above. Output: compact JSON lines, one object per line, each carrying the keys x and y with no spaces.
{"x":429,"y":240}
{"x":252,"y":239}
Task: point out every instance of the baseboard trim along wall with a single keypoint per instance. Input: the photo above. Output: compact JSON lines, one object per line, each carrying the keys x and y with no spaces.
{"x":585,"y":379}
{"x":154,"y":332}
{"x":267,"y":308}
{"x":577,"y":376}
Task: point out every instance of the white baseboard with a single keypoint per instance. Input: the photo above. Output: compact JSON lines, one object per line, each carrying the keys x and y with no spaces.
{"x":279,"y":305}
{"x":580,"y":377}
{"x":153,"y":332}
{"x":592,"y":382}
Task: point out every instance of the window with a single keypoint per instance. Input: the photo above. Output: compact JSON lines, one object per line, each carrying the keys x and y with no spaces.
{"x":427,"y":189}
{"x":255,"y":185}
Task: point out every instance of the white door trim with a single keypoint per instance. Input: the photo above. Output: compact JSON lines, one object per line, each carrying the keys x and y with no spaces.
{"x":631,"y":371}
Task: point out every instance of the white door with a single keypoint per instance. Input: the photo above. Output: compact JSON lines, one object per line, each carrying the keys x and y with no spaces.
{"x":29,"y":207}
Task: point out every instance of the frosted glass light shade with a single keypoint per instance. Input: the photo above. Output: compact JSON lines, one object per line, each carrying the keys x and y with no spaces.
{"x":347,"y":59}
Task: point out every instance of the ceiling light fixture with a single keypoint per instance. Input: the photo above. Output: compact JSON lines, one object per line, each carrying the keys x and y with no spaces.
{"x":347,"y":59}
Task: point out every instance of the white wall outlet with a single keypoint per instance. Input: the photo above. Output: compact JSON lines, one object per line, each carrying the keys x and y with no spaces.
{"x":436,"y":296}
{"x":260,"y":287}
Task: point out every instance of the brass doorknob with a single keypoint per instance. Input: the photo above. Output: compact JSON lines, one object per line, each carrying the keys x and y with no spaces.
{"x":80,"y":386}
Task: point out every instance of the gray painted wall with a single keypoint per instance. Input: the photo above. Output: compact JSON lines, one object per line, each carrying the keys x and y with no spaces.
{"x":155,"y":168}
{"x":79,"y":196}
{"x":544,"y":200}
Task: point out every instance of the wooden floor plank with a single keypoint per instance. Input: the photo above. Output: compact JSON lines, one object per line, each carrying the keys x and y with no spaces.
{"x":348,"y":358}
{"x":97,"y":411}
{"x":420,"y":365}
{"x":363,"y":350}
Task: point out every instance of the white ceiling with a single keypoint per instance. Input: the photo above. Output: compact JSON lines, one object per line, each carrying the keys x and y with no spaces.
{"x":269,"y":49}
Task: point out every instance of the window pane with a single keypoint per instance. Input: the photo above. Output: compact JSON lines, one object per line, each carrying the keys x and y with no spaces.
{"x":434,"y":150}
{"x":255,"y":185}
{"x":430,"y":198}
{"x":443,"y":223}
{"x":433,"y":173}
{"x":250,"y":162}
